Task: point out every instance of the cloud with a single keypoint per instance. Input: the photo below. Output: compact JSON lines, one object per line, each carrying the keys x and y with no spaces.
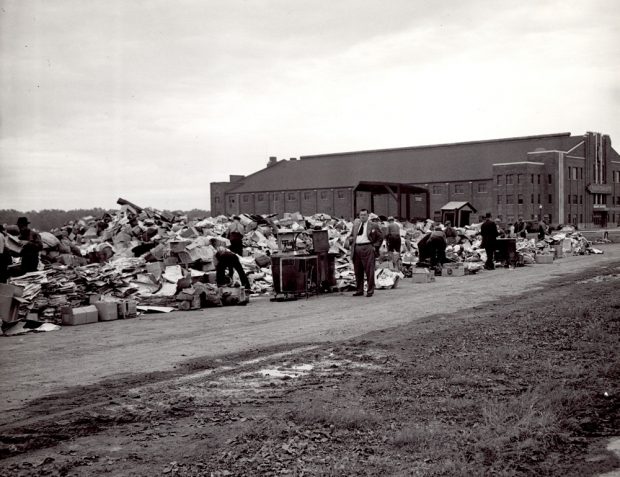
{"x":140,"y":98}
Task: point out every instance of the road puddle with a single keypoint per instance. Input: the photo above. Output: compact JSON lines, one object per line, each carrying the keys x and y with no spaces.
{"x":292,"y":372}
{"x":241,"y":381}
{"x":601,"y":278}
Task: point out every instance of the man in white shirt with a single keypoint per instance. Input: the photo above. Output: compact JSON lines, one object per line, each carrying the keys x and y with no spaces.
{"x":234,"y":233}
{"x":365,"y":235}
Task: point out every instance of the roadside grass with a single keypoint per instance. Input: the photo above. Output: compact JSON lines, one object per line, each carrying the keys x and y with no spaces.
{"x":509,"y":394}
{"x":352,"y":417}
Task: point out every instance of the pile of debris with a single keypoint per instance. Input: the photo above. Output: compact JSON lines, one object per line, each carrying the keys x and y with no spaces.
{"x":158,"y":259}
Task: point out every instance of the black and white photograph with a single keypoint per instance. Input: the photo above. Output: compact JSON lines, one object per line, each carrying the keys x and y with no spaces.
{"x":309,"y":238}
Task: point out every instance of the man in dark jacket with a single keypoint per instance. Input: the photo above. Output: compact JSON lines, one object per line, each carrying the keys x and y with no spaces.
{"x":437,"y":246}
{"x":489,"y":234}
{"x":543,"y":228}
{"x":393,"y":236}
{"x":520,"y":228}
{"x":226,"y":263}
{"x":365,"y":237}
{"x":31,"y":246}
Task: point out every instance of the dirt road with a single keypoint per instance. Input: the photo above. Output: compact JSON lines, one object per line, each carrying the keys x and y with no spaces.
{"x":512,"y":372}
{"x":37,"y":365}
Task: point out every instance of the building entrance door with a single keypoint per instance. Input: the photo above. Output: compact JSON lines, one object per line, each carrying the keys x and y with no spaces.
{"x":599,"y":218}
{"x":464,"y":218}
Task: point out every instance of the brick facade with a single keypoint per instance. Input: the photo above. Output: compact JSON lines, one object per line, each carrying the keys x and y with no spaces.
{"x":570,"y":179}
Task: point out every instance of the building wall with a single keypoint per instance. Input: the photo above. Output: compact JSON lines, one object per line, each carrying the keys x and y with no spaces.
{"x":479,"y":193}
{"x":574,"y":190}
{"x":524,"y":190}
{"x":599,"y":180}
{"x":218,"y":192}
{"x":577,"y":186}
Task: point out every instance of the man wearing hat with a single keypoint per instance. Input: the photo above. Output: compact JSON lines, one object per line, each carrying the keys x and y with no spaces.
{"x":365,"y":237}
{"x":31,"y":246}
{"x":489,"y":233}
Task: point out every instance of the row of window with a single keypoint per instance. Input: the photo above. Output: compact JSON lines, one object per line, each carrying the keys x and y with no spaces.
{"x":307,"y":195}
{"x":574,"y":199}
{"x":509,"y":179}
{"x":458,"y":188}
{"x":511,"y":218}
{"x":572,"y":219}
{"x":600,"y":199}
{"x":510,"y":199}
{"x":575,"y":173}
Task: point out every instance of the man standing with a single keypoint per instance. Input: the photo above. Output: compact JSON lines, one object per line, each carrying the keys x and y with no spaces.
{"x":234,"y":233}
{"x":450,"y":233}
{"x":520,"y":229}
{"x":393,"y":235}
{"x":543,"y":228}
{"x":364,"y":237}
{"x":31,"y":246}
{"x":489,"y":233}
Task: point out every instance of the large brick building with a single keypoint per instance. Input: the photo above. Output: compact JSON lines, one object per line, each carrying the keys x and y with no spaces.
{"x":572,"y":179}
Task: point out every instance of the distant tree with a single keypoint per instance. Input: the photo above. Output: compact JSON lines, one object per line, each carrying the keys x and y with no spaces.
{"x":48,"y":219}
{"x":197,"y":214}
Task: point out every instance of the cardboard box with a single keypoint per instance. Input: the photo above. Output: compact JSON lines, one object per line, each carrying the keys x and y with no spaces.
{"x":11,"y":290}
{"x":9,"y":301}
{"x":177,"y":246}
{"x":453,"y":270}
{"x":195,"y":303}
{"x":422,"y":275}
{"x":558,"y":250}
{"x":207,"y":266}
{"x":170,"y":261}
{"x":158,"y":252}
{"x":567,"y":246}
{"x":9,"y":308}
{"x":210,"y":277}
{"x":233,"y":296}
{"x":544,"y":259}
{"x":108,"y":310}
{"x":80,"y":316}
{"x":127,"y":309}
{"x":155,"y":269}
{"x":184,"y":257}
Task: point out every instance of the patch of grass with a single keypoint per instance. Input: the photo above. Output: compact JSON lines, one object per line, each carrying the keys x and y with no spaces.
{"x":420,"y":436}
{"x":352,"y":417}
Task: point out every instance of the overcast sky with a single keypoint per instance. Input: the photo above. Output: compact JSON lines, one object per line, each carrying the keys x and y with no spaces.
{"x":152,"y":100}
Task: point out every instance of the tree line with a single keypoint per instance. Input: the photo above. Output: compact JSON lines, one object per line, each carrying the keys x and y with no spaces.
{"x":48,"y":219}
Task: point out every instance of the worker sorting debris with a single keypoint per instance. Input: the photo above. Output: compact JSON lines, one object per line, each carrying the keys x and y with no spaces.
{"x":144,"y":260}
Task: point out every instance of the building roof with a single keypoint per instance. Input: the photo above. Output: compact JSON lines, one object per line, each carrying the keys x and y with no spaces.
{"x":463,"y":161}
{"x":457,"y":205}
